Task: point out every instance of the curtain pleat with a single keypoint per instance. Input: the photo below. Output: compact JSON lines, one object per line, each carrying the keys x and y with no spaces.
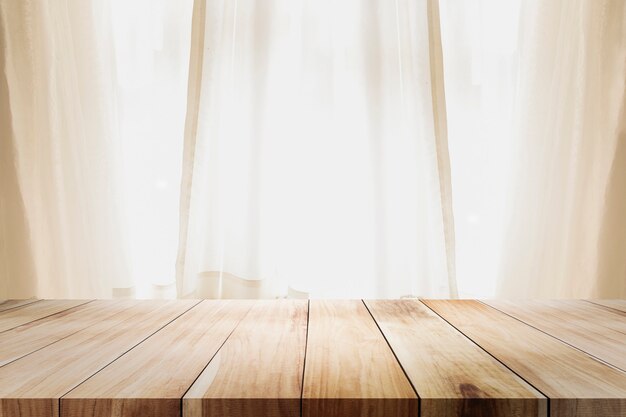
{"x":17,"y":269}
{"x":441,"y":140}
{"x":194,"y":88}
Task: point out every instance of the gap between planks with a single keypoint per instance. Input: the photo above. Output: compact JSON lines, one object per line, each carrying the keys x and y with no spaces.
{"x":590,"y":328}
{"x":11,"y":304}
{"x":577,"y":384}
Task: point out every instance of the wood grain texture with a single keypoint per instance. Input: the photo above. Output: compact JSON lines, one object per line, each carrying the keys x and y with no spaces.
{"x":577,"y":384}
{"x":123,"y":358}
{"x":10,"y":319}
{"x":25,"y":339}
{"x":31,"y":386}
{"x":594,"y":329}
{"x":614,"y":304}
{"x":151,"y":379}
{"x":452,"y":376}
{"x":350,"y":370}
{"x":9,"y":304}
{"x":258,"y":371}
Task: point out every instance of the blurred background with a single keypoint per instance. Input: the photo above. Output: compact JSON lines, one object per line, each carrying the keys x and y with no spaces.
{"x":323,"y":149}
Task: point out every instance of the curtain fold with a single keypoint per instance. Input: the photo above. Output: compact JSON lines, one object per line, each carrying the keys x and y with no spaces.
{"x":151,"y":39}
{"x":315,"y":161}
{"x":441,"y":139}
{"x":17,"y":267}
{"x":194,"y":88}
{"x":480,"y":46}
{"x":611,"y":270}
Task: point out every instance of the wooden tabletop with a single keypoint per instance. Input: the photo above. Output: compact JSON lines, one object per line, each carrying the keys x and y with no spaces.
{"x":318,"y":358}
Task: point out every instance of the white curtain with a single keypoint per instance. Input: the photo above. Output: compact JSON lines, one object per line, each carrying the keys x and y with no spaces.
{"x":151,"y":39}
{"x":481,"y":40}
{"x":300,"y":148}
{"x":315,"y":152}
{"x":60,"y":171}
{"x":566,"y":233}
{"x":535,"y":95}
{"x":92,"y":100}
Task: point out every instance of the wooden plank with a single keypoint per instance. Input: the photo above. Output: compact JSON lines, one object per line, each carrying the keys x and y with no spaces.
{"x":614,"y":304}
{"x":258,"y":371}
{"x":350,"y":370}
{"x":29,"y":337}
{"x":576,"y":384}
{"x":452,"y":376}
{"x":31,"y":386}
{"x":597,"y":331}
{"x":9,"y":304}
{"x":151,"y":379}
{"x":13,"y":318}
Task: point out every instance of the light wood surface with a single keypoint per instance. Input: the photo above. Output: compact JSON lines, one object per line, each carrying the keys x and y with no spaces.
{"x":28,"y":338}
{"x":350,"y":370}
{"x":283,"y":358}
{"x":258,"y":371}
{"x":9,"y":304}
{"x":593,"y":329}
{"x":31,"y":386}
{"x":452,"y":376}
{"x":577,"y":384}
{"x":152,"y":377}
{"x":10,"y":319}
{"x":614,"y":304}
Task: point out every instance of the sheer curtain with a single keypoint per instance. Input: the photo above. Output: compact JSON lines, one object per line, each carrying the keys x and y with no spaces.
{"x":481,"y":40}
{"x":60,"y":171}
{"x":315,"y":152}
{"x":535,"y":95}
{"x":151,"y":39}
{"x":566,"y":230}
{"x":92,"y":112}
{"x":213,"y":148}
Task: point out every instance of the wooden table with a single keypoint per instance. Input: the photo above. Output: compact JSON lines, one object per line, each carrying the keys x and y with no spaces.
{"x":227,"y":358}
